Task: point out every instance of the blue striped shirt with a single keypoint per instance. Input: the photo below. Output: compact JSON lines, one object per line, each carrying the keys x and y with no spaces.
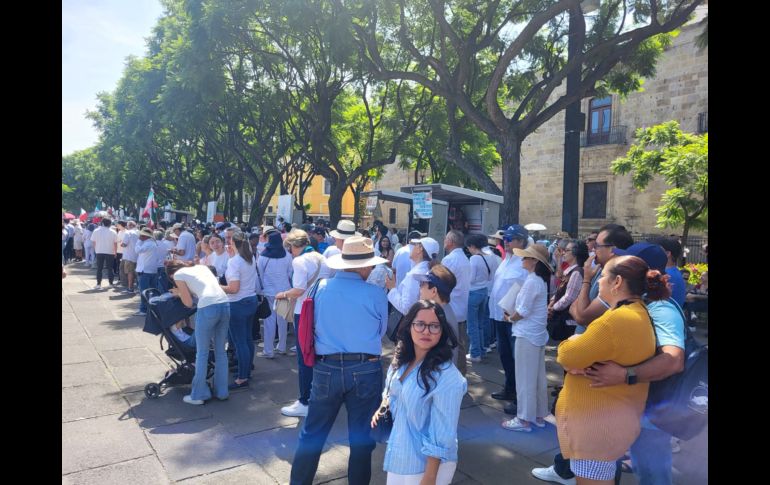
{"x":423,"y":425}
{"x":350,"y":315}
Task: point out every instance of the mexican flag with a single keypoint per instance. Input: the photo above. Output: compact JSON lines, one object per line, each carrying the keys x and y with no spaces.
{"x":83,"y":215}
{"x":149,"y":208}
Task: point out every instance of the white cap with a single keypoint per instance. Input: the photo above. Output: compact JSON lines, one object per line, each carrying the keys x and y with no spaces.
{"x":429,"y":244}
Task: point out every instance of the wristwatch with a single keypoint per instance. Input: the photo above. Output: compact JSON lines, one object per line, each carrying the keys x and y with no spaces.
{"x":630,"y":375}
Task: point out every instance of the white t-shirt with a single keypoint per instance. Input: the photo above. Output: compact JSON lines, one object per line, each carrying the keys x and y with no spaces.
{"x":458,"y":264}
{"x":202,"y":284}
{"x":129,"y":239}
{"x":219,"y":261}
{"x":239,"y":269}
{"x":187,"y":242}
{"x":402,"y":262}
{"x":121,"y":235}
{"x":104,"y":240}
{"x":331,"y":251}
{"x":305,"y":266}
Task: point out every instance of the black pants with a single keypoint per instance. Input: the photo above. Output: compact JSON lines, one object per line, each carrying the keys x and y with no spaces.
{"x":69,"y":249}
{"x":116,"y":263}
{"x":103,"y":260}
{"x":505,"y":348}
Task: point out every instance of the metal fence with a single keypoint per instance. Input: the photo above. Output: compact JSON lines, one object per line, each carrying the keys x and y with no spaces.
{"x":615,"y":136}
{"x":694,"y":244}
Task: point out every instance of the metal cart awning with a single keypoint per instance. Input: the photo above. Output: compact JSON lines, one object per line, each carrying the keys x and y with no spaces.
{"x":399,"y":197}
{"x":454,"y":194}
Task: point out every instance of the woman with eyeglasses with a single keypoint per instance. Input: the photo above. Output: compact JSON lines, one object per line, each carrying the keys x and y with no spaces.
{"x":569,"y":279}
{"x":424,"y":391}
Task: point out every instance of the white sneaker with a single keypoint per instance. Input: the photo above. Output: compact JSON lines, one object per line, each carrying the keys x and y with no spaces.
{"x":550,"y":419}
{"x":493,"y":345}
{"x":295,"y":410}
{"x":472,"y":359}
{"x":675,"y":448}
{"x":189,"y":400}
{"x":266,"y":356}
{"x":98,"y":287}
{"x":516,"y":425}
{"x":550,"y":475}
{"x":293,"y":348}
{"x":261,"y":344}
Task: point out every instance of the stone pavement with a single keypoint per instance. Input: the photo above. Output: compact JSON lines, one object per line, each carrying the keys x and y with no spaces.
{"x":111,"y":433}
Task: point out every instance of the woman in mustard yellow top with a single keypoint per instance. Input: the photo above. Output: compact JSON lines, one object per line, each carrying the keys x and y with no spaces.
{"x":597,"y":425}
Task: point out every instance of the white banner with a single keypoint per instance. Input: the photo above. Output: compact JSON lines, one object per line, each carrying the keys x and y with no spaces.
{"x":211,"y":211}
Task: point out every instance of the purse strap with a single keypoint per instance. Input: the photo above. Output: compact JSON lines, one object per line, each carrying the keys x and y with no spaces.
{"x":262,"y":285}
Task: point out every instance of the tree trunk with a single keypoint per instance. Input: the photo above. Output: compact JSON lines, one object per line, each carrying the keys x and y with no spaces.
{"x":685,"y":233}
{"x":239,"y":201}
{"x":510,"y":152}
{"x":335,"y":203}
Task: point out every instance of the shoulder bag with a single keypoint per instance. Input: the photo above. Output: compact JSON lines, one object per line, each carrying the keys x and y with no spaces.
{"x":381,"y":432}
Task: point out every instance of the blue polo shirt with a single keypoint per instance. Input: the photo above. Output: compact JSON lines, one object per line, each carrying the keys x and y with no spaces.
{"x":350,"y":315}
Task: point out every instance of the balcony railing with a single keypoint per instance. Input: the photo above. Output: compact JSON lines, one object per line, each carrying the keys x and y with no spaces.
{"x":703,"y":122}
{"x":616,"y":136}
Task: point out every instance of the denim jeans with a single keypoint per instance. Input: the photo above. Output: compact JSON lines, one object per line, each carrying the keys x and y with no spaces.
{"x":651,"y":457}
{"x":162,"y":280}
{"x":357,"y":384}
{"x":476,"y":304}
{"x":305,"y":372}
{"x":505,"y":343}
{"x":487,"y":327}
{"x":241,"y":323}
{"x":146,"y":280}
{"x":212,"y":323}
{"x":103,"y":260}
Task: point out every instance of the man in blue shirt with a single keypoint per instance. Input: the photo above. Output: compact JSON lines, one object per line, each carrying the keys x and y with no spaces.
{"x":350,"y":319}
{"x":673,"y":250}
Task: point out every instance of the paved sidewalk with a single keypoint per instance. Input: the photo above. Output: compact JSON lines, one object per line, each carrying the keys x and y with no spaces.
{"x":111,"y":433}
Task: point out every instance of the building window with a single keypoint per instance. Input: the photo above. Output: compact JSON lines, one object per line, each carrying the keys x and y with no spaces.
{"x":327,"y":187}
{"x":595,"y":200}
{"x":270,"y":209}
{"x":392,"y":216}
{"x":599,"y":120}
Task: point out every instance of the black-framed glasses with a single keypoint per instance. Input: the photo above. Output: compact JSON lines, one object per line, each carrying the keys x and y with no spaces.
{"x":604,"y":245}
{"x":433,"y":328}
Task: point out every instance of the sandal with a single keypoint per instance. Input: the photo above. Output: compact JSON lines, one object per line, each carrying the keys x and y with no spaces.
{"x":625,"y":466}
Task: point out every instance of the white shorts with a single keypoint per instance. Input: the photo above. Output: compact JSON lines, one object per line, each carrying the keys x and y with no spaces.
{"x":446,"y":471}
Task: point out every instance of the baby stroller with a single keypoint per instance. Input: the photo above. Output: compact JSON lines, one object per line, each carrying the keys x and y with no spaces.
{"x":161,"y":315}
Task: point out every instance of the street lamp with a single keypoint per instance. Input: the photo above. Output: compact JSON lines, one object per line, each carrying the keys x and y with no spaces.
{"x":573,"y":124}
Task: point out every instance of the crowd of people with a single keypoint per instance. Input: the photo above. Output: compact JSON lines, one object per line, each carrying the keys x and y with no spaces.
{"x":615,"y":304}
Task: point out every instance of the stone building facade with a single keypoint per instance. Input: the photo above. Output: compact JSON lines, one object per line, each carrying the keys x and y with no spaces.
{"x":679,"y":91}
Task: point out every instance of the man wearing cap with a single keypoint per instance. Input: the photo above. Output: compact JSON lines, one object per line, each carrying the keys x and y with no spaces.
{"x":129,"y":255}
{"x":104,"y":241}
{"x":185,"y":245}
{"x":146,"y":266}
{"x":508,"y":273}
{"x":345,"y":229}
{"x":458,"y":264}
{"x":651,"y":452}
{"x":350,"y":319}
{"x":402,"y":297}
{"x":319,"y":235}
{"x":402,"y":262}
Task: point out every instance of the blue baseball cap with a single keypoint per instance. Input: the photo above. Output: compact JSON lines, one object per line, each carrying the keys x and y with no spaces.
{"x":515,"y":231}
{"x":433,"y":280}
{"x":652,"y":254}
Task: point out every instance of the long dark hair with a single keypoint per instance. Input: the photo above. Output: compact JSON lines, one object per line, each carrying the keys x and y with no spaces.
{"x":542,"y":271}
{"x":436,"y":356}
{"x":379,"y":244}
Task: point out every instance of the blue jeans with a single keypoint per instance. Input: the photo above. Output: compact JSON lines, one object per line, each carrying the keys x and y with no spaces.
{"x":651,"y":457}
{"x":241,"y":323}
{"x":305,"y":372}
{"x":505,"y":345}
{"x":357,"y":384}
{"x":212,"y":323}
{"x":476,"y":305}
{"x":162,"y":280}
{"x":146,"y":280}
{"x":487,"y":327}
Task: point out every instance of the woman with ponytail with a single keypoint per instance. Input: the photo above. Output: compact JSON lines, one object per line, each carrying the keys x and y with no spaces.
{"x":596,"y":427}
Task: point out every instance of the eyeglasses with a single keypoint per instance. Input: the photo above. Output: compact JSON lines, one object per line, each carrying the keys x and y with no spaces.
{"x":433,"y":328}
{"x":604,"y":245}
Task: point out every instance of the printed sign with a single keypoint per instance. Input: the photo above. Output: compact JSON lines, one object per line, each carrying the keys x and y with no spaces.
{"x":371,"y":203}
{"x":422,"y":203}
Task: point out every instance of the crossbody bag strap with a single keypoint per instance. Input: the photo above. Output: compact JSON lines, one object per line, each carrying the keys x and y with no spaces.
{"x":489,"y":271}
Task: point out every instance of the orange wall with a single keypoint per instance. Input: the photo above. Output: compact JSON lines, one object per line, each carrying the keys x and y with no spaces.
{"x":319,"y":202}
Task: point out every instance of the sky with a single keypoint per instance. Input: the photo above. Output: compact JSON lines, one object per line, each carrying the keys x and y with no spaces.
{"x":97,"y":36}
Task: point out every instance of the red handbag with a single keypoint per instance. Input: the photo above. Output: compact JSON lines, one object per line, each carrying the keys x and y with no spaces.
{"x":306,"y":327}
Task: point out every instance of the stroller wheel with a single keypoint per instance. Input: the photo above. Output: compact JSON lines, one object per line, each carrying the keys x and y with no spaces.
{"x":152,"y":390}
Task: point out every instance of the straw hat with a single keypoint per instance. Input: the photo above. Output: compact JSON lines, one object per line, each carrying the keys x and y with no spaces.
{"x":345,"y":229}
{"x":357,"y":252}
{"x":145,"y":232}
{"x":537,"y":251}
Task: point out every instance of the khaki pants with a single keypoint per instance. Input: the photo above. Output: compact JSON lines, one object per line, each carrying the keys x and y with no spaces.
{"x":122,"y":273}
